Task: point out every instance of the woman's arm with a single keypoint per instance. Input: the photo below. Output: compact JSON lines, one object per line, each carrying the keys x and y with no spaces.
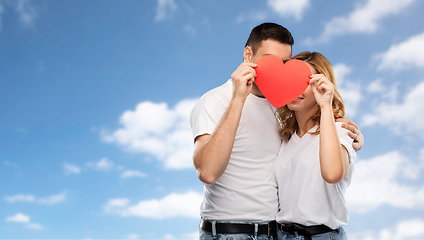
{"x":333,"y":156}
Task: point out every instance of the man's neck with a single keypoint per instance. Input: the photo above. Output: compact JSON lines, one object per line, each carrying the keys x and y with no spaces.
{"x":255,"y":91}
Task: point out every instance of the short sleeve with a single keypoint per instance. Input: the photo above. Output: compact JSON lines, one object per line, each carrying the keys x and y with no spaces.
{"x":207,"y":113}
{"x":346,"y":141}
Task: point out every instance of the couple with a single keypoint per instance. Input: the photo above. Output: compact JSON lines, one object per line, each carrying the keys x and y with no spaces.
{"x":264,"y":176}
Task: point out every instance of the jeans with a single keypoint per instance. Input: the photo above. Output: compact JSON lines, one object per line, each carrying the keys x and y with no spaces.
{"x":234,"y":236}
{"x":333,"y":235}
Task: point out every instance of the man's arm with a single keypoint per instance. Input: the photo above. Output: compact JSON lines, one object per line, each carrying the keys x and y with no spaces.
{"x":212,"y":152}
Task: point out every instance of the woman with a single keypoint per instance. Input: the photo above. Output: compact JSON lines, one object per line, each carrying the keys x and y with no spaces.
{"x":314,"y":165}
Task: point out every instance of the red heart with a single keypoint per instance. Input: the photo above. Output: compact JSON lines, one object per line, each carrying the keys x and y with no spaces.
{"x":281,"y":83}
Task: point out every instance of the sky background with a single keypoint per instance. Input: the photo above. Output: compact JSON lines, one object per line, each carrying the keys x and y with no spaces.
{"x":95,"y":98}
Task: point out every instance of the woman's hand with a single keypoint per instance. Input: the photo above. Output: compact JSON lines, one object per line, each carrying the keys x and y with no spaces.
{"x":323,"y":90}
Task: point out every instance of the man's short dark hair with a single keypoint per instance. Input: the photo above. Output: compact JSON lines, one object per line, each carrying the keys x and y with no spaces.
{"x":268,"y":31}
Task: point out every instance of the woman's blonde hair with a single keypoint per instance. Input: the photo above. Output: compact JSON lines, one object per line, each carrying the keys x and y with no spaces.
{"x":287,"y":118}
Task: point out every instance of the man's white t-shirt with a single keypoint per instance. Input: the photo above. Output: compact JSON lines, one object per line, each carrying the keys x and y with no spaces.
{"x":305,"y":197}
{"x":247,"y":190}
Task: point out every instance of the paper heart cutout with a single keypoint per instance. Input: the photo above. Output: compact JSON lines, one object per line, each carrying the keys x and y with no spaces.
{"x":281,"y":82}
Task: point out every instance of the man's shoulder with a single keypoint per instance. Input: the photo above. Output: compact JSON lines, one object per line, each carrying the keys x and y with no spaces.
{"x":221,"y":93}
{"x":209,"y":109}
{"x":223,"y":90}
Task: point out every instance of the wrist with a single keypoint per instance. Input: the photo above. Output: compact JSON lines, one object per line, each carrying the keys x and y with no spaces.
{"x":326,"y":106}
{"x":238,"y":101}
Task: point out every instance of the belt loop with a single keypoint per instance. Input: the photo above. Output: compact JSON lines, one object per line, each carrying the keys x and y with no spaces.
{"x":269,"y":229}
{"x":214,"y":229}
{"x":256,"y":231}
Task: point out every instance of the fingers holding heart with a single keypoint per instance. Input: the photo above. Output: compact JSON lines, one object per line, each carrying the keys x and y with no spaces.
{"x":245,"y":69}
{"x":243,"y":78}
{"x":320,"y":82}
{"x":322,"y":88}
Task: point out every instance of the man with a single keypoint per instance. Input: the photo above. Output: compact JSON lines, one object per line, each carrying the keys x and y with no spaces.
{"x":235,"y":143}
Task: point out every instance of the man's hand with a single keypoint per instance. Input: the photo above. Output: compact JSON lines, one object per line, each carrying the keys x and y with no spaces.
{"x":243,"y":78}
{"x":355,"y":133}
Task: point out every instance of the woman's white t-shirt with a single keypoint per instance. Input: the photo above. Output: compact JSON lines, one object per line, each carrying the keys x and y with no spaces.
{"x":304,"y":196}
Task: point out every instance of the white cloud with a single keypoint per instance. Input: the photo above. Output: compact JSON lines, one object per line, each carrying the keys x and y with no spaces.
{"x":71,"y":169}
{"x":103,"y":164}
{"x":10,"y":164}
{"x":133,"y":236}
{"x":132,"y":173}
{"x":53,"y":199}
{"x":407,"y":229}
{"x":403,"y":117}
{"x":116,"y":203}
{"x":27,"y":13}
{"x":50,"y":200}
{"x":193,"y":235}
{"x":186,"y":236}
{"x":1,"y":12}
{"x":403,"y":55}
{"x":190,"y":29}
{"x":20,"y":198}
{"x":350,"y":91}
{"x":364,"y":19}
{"x":168,"y":236}
{"x":289,"y":8}
{"x":380,"y":89}
{"x":22,"y":218}
{"x":256,"y":16}
{"x":165,"y":9}
{"x":376,"y":86}
{"x":376,"y":182}
{"x":19,"y":218}
{"x":35,"y":226}
{"x":173,"y":205}
{"x":155,"y":129}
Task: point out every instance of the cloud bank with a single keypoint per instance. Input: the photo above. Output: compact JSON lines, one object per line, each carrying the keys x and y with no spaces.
{"x":289,"y":8}
{"x":165,"y":9}
{"x":158,"y":130}
{"x":171,"y":206}
{"x":28,"y":198}
{"x":24,"y":219}
{"x":404,"y":55}
{"x":349,"y":90}
{"x":377,"y":181}
{"x":365,"y":18}
{"x":400,"y":118}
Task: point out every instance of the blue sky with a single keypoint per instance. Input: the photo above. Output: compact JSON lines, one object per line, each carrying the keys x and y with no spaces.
{"x":95,"y":98}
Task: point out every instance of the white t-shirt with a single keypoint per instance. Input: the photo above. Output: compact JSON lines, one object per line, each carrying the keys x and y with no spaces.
{"x":247,"y":190}
{"x":304,"y":196}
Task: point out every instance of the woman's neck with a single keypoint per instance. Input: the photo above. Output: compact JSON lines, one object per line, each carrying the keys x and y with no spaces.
{"x":304,"y":121}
